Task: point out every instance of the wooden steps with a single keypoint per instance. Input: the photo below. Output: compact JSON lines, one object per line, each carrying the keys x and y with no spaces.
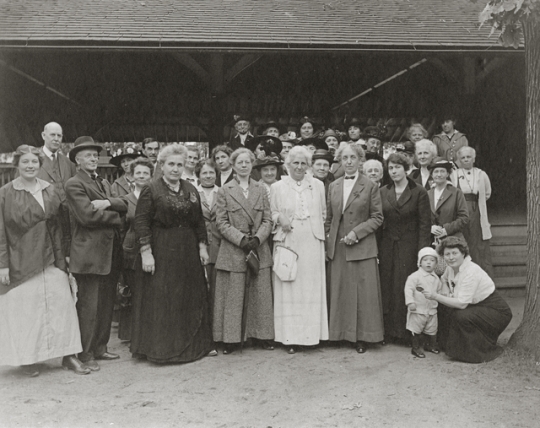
{"x":509,"y":257}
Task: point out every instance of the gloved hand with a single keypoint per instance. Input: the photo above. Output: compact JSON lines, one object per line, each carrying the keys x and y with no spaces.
{"x":253,"y":244}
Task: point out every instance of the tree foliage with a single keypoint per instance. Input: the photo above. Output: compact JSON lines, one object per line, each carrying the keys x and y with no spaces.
{"x":507,"y":17}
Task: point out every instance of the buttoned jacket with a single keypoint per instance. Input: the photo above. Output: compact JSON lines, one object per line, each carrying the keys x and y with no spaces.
{"x":450,"y":210}
{"x":362,"y":214}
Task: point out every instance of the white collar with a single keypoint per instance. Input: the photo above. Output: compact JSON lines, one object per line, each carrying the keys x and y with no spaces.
{"x":18,"y":184}
{"x":355,"y":175}
{"x":47,"y":152}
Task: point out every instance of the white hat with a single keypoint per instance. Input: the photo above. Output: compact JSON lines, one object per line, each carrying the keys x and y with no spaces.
{"x":426,"y":251}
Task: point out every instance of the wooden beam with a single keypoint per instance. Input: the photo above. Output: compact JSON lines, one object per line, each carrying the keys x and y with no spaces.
{"x":188,"y":61}
{"x":243,"y":63}
{"x":37,"y":82}
{"x":217,"y":83}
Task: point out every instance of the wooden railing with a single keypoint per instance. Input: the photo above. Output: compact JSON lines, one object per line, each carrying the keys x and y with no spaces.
{"x":110,"y":172}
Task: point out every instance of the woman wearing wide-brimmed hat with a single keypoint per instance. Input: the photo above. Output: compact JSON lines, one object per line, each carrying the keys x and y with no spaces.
{"x":262,"y":146}
{"x":125,"y":184}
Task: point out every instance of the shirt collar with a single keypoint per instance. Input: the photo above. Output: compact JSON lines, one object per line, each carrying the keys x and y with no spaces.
{"x":355,"y":175}
{"x":47,"y":152}
{"x":18,"y":184}
{"x":465,"y":263}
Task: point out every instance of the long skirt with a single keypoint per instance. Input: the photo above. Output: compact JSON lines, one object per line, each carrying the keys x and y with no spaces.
{"x":38,"y":320}
{"x":170,"y":307}
{"x":480,"y":250}
{"x":229,"y":303}
{"x":125,"y":320}
{"x":355,"y":299}
{"x":300,"y":310}
{"x":473,"y":331}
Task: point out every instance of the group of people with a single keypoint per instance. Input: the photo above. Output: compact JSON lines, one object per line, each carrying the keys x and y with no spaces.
{"x":273,"y":238}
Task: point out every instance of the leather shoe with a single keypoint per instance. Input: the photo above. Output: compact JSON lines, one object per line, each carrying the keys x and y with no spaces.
{"x":31,"y":370}
{"x":417,"y":352}
{"x":268,"y":345}
{"x":291,"y":350}
{"x":361,"y":347}
{"x":108,"y":356}
{"x":92,"y":365}
{"x":72,"y":363}
{"x":228,"y":348}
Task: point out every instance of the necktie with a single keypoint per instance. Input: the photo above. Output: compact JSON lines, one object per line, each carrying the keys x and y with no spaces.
{"x":56,"y":167}
{"x":98,"y":180}
{"x":349,"y":177}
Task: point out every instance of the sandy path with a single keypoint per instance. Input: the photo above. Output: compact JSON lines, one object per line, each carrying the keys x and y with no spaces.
{"x":327,"y":387}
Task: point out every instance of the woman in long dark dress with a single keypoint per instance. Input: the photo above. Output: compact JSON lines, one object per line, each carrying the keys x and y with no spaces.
{"x":406,"y":229}
{"x":173,"y":323}
{"x":476,"y":314}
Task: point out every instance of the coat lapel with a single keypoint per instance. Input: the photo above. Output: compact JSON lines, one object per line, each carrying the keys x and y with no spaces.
{"x":391,"y":197}
{"x":405,"y":196}
{"x":339,"y":194}
{"x":48,"y":166}
{"x":444,"y":197}
{"x":238,"y":196}
{"x":357,"y":188}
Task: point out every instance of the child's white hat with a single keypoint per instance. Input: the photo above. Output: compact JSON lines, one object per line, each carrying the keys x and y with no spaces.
{"x":426,"y":251}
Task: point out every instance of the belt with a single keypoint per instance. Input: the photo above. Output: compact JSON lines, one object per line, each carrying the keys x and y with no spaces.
{"x":471,"y":197}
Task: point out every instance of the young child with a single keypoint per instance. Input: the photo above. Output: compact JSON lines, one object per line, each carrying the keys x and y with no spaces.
{"x":421,"y":312}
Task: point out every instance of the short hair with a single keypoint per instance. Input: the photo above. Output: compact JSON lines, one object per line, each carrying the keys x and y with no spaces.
{"x":26,"y":149}
{"x":356,"y":148}
{"x":467,"y":149}
{"x":209,"y":162}
{"x":148,"y":140}
{"x":425,"y":143}
{"x":400,"y":159}
{"x":416,"y":126}
{"x":221,"y":148}
{"x":173,"y":149}
{"x":453,"y":242}
{"x":193,"y":149}
{"x":242,"y":151}
{"x":141,"y":161}
{"x":371,"y":163}
{"x":298,"y":151}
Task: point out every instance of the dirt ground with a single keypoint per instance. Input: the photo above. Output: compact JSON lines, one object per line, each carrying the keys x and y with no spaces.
{"x":324,"y":387}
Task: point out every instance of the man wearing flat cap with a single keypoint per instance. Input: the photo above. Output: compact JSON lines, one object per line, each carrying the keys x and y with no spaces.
{"x":96,"y":250}
{"x":242,"y":126}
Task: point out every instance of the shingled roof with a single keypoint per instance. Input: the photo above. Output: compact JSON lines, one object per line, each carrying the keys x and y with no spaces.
{"x":245,"y":24}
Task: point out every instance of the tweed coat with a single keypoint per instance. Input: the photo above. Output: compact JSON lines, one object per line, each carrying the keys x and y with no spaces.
{"x":451,"y":210}
{"x":94,"y":230}
{"x":362,"y":214}
{"x":238,"y":217}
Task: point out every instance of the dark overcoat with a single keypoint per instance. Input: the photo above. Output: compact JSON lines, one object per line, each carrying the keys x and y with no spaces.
{"x":94,"y":230}
{"x":406,"y":229}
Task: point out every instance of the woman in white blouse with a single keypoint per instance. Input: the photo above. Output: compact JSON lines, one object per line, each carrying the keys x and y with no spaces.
{"x":477,"y":314}
{"x":298,"y":212}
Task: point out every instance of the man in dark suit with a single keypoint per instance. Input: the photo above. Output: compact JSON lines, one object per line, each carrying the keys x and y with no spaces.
{"x":57,"y":169}
{"x":96,"y":250}
{"x":221,"y":156}
{"x":151,"y":151}
{"x":242,"y":126}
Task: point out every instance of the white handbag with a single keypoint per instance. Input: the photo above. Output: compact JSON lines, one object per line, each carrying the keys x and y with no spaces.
{"x":285,"y":263}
